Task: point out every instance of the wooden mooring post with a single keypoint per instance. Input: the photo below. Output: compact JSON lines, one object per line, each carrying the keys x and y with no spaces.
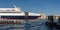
{"x":50,"y":21}
{"x":26,"y":16}
{"x":26,"y":19}
{"x":58,"y":19}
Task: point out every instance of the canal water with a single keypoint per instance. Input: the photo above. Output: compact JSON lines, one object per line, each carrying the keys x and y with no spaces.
{"x":27,"y":25}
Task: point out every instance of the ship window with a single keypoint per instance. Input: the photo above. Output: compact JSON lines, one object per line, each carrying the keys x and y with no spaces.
{"x":8,"y":10}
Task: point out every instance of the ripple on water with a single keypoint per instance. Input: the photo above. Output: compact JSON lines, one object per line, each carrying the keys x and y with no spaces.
{"x":38,"y":25}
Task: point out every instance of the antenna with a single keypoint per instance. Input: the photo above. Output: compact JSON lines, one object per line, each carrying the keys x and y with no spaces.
{"x":15,"y":6}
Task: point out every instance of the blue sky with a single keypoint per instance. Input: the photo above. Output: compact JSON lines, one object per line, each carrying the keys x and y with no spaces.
{"x":37,"y":6}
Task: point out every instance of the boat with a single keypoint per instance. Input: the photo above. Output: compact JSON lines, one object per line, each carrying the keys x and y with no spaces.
{"x":16,"y":13}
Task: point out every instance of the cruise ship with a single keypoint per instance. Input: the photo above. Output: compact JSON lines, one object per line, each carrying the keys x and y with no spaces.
{"x":16,"y":13}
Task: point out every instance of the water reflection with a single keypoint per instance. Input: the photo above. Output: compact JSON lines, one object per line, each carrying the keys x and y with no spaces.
{"x":30,"y":25}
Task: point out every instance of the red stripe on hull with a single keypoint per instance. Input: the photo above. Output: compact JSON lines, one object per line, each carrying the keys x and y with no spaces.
{"x":15,"y":19}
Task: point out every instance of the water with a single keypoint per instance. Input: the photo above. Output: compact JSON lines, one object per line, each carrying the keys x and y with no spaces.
{"x":29,"y":25}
